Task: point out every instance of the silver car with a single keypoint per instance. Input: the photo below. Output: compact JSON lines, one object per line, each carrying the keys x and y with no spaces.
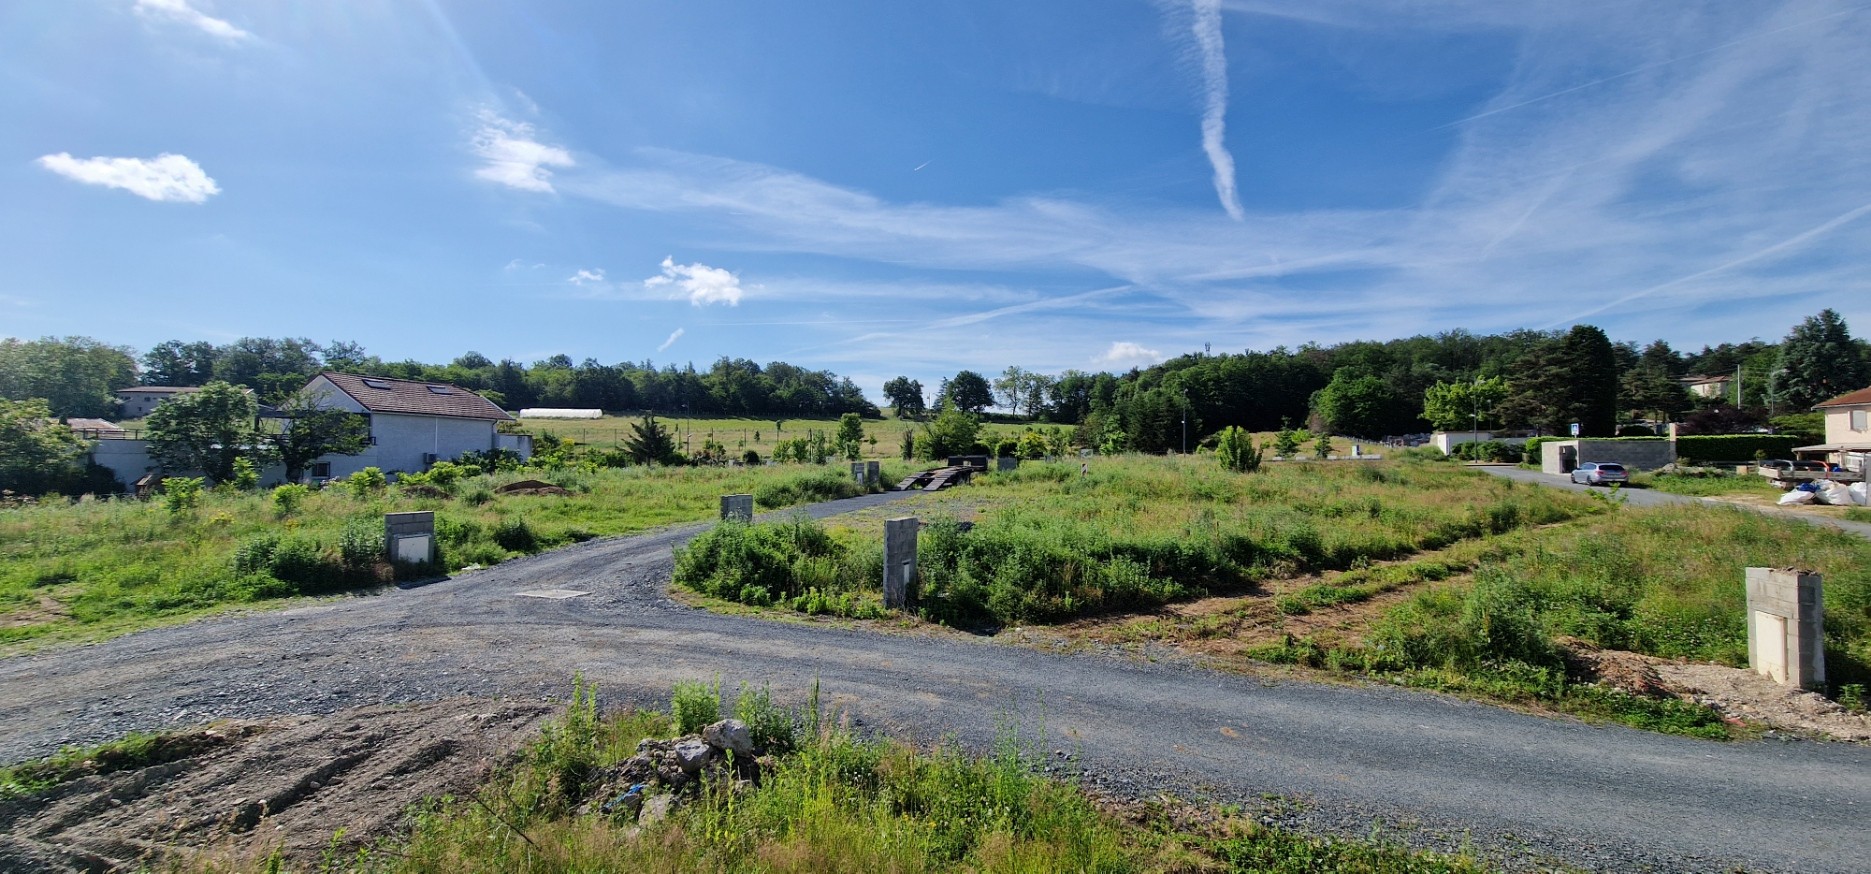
{"x":1600,"y":473}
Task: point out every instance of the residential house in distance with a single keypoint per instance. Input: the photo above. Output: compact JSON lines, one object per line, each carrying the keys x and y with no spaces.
{"x":1708,"y":386}
{"x":412,"y":424}
{"x":138,"y":400}
{"x":1848,"y":432}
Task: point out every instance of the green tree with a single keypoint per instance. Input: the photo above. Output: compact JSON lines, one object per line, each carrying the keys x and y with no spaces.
{"x":1018,"y":387}
{"x":1649,"y":388}
{"x":1236,"y":450}
{"x":1564,"y":380}
{"x":309,"y":431}
{"x":1452,"y":406}
{"x":75,"y":376}
{"x":851,"y":436}
{"x":906,"y":395}
{"x":952,"y":433}
{"x":1356,"y":404}
{"x":173,"y":362}
{"x":36,"y":452}
{"x":649,"y":442}
{"x":206,"y":431}
{"x":1323,"y":446}
{"x":1286,"y":442}
{"x":1818,"y":362}
{"x":969,"y":392}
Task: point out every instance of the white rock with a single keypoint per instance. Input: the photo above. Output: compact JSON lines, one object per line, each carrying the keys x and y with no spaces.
{"x":692,"y":753}
{"x":730,"y":735}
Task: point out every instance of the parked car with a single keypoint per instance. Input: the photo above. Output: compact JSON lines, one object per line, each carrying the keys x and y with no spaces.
{"x":1812,"y":466}
{"x":1773,"y":464}
{"x":1598,"y":473}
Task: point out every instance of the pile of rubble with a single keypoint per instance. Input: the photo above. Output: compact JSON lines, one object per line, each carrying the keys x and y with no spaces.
{"x":648,"y":786}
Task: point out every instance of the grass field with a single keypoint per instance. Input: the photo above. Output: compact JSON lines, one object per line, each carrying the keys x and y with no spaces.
{"x":93,"y":569}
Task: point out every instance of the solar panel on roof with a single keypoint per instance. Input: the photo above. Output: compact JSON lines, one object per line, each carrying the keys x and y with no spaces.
{"x":439,"y":389}
{"x":376,"y":383}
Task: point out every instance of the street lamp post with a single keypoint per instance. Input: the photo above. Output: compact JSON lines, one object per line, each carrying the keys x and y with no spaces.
{"x":1185,"y":423}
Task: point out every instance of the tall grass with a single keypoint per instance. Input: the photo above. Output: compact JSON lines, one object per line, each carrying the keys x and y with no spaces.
{"x":88,"y":568}
{"x":1051,"y":544}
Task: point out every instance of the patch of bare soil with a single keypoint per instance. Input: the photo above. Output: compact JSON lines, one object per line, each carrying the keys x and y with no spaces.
{"x":1737,"y":693}
{"x":290,"y":783}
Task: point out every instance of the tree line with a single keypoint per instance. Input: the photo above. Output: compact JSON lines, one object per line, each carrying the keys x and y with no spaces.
{"x":1539,"y":380}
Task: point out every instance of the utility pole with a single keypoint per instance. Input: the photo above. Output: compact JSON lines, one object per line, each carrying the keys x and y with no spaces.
{"x":1185,"y":422}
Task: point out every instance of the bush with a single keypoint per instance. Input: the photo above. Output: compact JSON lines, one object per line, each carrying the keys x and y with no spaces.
{"x":769,"y":724}
{"x":695,"y":705}
{"x":512,"y":533}
{"x":752,"y":563}
{"x":288,"y":497}
{"x":366,"y":483}
{"x":180,"y":493}
{"x":806,"y":488}
{"x":360,"y":544}
{"x":750,"y":458}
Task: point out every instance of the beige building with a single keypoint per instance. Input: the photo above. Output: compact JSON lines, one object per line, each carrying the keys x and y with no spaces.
{"x":1848,"y":432}
{"x":139,"y":400}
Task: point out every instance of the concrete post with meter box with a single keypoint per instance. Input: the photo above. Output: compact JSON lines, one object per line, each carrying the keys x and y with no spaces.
{"x":1786,"y":619}
{"x":899,"y":561}
{"x":409,"y":538}
{"x":737,"y":508}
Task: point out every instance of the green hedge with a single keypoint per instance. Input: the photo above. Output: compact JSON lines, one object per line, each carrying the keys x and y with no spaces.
{"x":1736,"y":447}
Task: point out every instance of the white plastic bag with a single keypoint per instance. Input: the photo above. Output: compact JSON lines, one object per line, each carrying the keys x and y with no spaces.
{"x":1859,"y":494}
{"x":1795,"y":497}
{"x":1833,"y":494}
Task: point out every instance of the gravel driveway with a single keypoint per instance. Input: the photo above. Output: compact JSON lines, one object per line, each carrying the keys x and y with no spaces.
{"x":1417,"y":768}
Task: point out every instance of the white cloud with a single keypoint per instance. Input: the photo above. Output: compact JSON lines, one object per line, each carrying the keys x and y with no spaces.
{"x":673,"y":337}
{"x":587,"y":277}
{"x":1124,"y":353}
{"x":180,"y":12}
{"x":1206,"y":29}
{"x":165,"y":177}
{"x":701,"y":283}
{"x":514,"y":158}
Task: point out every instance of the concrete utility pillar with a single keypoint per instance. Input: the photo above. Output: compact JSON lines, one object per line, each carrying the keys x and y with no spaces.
{"x":409,"y":538}
{"x":1786,"y":617}
{"x":857,"y":473}
{"x":899,"y":560}
{"x":739,"y":508}
{"x":873,"y":474}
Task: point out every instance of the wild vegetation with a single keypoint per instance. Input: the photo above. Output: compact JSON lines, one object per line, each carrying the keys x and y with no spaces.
{"x":1051,"y":544}
{"x":1502,"y":577}
{"x":828,"y":801}
{"x":94,"y":568}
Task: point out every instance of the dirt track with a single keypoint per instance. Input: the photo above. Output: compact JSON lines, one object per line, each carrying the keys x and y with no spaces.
{"x":1420,"y":768}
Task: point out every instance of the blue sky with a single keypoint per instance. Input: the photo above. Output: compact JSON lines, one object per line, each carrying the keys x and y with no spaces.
{"x":887,"y":188}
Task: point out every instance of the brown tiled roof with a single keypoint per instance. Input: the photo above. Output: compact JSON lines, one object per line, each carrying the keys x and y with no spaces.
{"x":381,"y":394}
{"x":1861,"y":396}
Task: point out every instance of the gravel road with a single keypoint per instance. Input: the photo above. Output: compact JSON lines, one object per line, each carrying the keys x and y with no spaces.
{"x":1418,"y":768}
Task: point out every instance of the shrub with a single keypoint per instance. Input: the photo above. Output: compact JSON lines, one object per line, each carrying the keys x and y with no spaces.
{"x":246,"y":476}
{"x":288,"y":497}
{"x":752,"y":563}
{"x":769,"y":724}
{"x":1236,"y":450}
{"x":694,"y":705}
{"x":825,"y":485}
{"x":366,"y":483}
{"x":360,"y":544}
{"x":750,"y":458}
{"x":512,"y":533}
{"x":180,"y":493}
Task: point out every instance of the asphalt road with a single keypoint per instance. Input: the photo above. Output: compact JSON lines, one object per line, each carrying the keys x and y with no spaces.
{"x":1653,"y":498}
{"x":1419,"y":768}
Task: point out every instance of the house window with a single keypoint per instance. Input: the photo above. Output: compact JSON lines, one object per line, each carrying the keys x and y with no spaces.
{"x":1858,"y":420}
{"x":321,"y":470}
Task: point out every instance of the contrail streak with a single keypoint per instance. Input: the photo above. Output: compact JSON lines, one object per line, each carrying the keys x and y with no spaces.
{"x":1207,"y":31}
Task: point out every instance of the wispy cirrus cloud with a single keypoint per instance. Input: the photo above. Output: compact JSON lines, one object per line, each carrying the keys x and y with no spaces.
{"x":587,"y":277}
{"x":164,"y":178}
{"x":1650,"y":178}
{"x":180,"y":12}
{"x":1205,"y":27}
{"x":513,"y":156}
{"x":673,"y":337}
{"x":700,"y":283}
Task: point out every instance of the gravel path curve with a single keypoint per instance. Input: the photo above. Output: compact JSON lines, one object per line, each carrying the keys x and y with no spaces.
{"x":1418,"y":768}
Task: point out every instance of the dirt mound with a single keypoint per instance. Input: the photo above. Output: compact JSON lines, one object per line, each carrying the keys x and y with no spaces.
{"x":290,"y":782}
{"x":531,"y":487}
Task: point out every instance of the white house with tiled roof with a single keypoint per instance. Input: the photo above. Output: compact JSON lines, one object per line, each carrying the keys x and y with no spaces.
{"x":1848,"y":431}
{"x":412,"y":424}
